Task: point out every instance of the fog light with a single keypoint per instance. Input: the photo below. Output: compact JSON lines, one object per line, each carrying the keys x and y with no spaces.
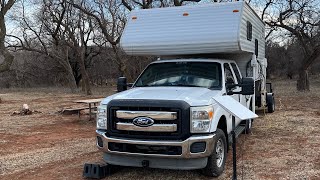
{"x":99,"y":141}
{"x":198,"y":147}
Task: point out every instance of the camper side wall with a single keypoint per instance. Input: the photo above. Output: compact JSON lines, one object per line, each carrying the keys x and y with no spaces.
{"x":252,"y":33}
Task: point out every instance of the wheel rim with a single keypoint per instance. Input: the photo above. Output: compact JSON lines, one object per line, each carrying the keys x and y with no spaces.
{"x":220,"y":152}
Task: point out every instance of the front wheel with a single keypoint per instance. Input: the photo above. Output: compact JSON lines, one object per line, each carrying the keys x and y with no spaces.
{"x":216,"y":161}
{"x":248,"y":126}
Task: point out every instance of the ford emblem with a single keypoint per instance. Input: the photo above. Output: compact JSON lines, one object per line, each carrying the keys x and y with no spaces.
{"x":143,"y":121}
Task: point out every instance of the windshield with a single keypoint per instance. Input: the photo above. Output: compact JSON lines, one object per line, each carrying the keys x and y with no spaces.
{"x":190,"y":74}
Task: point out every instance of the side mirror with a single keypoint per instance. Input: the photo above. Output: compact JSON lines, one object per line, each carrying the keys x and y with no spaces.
{"x":122,"y":84}
{"x":247,"y":85}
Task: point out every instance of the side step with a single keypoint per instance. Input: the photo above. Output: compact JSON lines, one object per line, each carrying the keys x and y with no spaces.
{"x":239,"y":129}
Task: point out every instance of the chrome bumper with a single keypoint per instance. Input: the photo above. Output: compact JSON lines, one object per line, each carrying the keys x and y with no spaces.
{"x":185,"y":145}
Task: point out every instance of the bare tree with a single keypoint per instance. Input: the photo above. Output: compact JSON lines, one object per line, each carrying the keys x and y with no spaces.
{"x":5,"y":6}
{"x":301,"y":19}
{"x":110,"y":16}
{"x":78,"y":28}
{"x":41,"y":35}
{"x":63,"y":33}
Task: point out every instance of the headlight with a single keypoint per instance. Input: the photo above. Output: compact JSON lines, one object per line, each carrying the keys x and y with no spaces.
{"x":201,"y":119}
{"x":102,"y":117}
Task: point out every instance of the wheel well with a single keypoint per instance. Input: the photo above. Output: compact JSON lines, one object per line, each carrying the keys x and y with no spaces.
{"x":223,"y":126}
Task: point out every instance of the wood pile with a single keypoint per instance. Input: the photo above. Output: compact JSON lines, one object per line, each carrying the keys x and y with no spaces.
{"x":24,"y":111}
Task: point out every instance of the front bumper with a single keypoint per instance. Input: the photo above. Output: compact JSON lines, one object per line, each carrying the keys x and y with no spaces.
{"x":185,"y":145}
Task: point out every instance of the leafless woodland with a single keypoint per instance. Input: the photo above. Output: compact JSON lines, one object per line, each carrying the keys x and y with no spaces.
{"x":75,"y":43}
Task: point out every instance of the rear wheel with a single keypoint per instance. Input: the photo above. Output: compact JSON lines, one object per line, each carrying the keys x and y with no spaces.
{"x":270,"y":103}
{"x":216,"y":161}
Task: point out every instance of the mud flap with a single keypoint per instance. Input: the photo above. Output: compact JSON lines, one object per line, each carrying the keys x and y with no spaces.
{"x":96,"y":171}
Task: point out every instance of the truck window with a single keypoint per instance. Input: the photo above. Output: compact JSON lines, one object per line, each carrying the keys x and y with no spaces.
{"x":228,"y":74}
{"x":236,"y":72}
{"x":188,"y":74}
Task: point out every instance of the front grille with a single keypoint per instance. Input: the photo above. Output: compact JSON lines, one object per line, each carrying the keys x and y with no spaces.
{"x":145,"y":149}
{"x":181,"y":122}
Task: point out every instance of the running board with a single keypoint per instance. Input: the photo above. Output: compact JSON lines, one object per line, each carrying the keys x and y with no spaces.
{"x":239,"y":129}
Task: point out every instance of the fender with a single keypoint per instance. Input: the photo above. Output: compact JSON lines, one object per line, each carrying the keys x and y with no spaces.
{"x":218,"y":113}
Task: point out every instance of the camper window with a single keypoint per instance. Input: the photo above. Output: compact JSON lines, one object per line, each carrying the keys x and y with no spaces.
{"x":249,"y":30}
{"x":256,"y":46}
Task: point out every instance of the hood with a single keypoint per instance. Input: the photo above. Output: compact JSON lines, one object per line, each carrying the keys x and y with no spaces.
{"x":194,"y":96}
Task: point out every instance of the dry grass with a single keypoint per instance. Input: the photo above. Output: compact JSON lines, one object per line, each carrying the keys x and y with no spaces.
{"x":283,"y":145}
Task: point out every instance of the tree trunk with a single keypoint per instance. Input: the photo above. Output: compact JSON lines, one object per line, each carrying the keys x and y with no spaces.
{"x":7,"y":60}
{"x":68,"y":69}
{"x":4,"y":53}
{"x":71,"y":81}
{"x":303,"y":81}
{"x":85,"y":76}
{"x":78,"y":79}
{"x":122,"y":68}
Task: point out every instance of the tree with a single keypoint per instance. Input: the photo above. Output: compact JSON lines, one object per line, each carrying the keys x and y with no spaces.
{"x":41,"y":35}
{"x":110,"y":17}
{"x":301,"y":19}
{"x":63,"y":33}
{"x":5,"y":6}
{"x":78,"y":29}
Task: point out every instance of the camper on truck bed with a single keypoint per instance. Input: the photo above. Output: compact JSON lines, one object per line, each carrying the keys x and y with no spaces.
{"x":169,"y":118}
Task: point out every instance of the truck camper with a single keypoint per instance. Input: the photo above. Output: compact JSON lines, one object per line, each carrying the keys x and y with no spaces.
{"x":169,"y":117}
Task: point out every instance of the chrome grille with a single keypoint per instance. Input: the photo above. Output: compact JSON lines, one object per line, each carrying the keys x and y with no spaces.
{"x":156,"y":115}
{"x":167,"y":119}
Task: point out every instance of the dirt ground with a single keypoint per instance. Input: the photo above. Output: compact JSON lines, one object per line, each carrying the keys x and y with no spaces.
{"x":48,"y":145}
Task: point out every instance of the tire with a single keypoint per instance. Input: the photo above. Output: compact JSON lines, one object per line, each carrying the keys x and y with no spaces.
{"x":270,"y":103}
{"x":217,"y":160}
{"x":248,"y":123}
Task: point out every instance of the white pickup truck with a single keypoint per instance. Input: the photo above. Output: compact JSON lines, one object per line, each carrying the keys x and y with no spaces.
{"x":169,"y":118}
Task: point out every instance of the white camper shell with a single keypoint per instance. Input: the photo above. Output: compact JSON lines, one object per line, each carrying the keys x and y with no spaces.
{"x":227,"y":30}
{"x":203,"y":29}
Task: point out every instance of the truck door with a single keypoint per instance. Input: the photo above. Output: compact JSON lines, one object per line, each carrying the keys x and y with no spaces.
{"x":230,"y":78}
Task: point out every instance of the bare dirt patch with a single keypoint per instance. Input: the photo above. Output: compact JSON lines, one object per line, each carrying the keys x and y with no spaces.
{"x":282,"y":145}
